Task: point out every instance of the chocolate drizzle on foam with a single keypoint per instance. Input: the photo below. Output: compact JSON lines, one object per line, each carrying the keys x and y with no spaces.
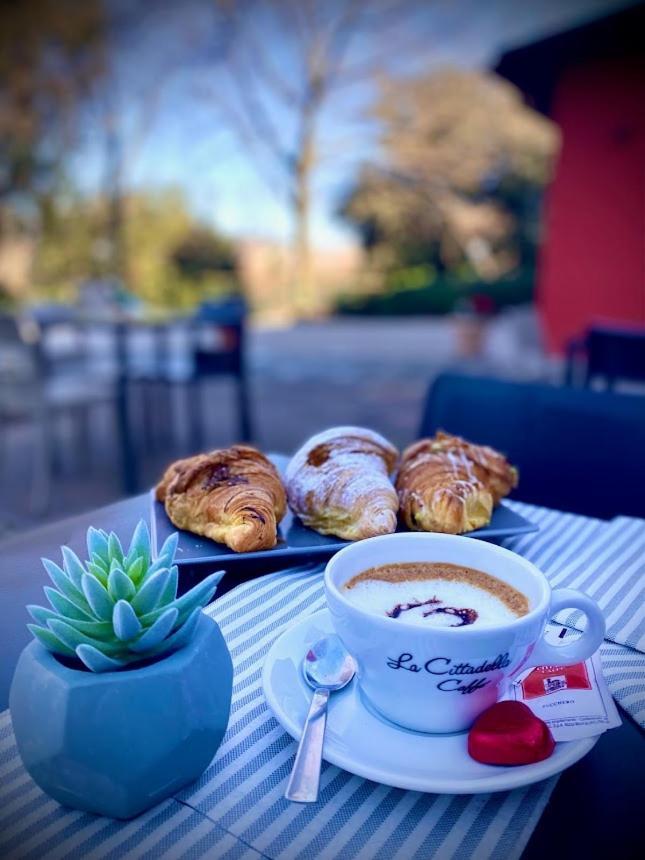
{"x":466,"y":616}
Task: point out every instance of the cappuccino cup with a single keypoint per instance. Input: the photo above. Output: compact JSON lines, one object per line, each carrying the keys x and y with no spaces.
{"x":438,"y":678}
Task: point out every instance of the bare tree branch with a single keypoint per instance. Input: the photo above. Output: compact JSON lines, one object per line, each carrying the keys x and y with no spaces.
{"x":341,"y":36}
{"x":247,"y":135}
{"x":406,"y":45}
{"x":266,"y":69}
{"x":258,"y":117}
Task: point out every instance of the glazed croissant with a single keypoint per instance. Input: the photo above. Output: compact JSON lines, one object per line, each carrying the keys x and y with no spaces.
{"x":446,"y":484}
{"x":338,"y":483}
{"x":231,"y":495}
{"x":488,"y":465}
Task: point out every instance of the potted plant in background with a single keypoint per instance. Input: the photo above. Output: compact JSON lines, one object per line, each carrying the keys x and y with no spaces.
{"x":124,"y":695}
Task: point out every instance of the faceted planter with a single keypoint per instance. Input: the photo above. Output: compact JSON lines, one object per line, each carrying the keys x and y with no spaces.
{"x":116,"y":743}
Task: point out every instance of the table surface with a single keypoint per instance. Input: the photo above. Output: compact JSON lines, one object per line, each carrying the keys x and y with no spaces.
{"x":594,"y":809}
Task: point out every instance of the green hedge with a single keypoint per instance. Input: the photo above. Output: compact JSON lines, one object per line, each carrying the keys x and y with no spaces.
{"x":442,"y":296}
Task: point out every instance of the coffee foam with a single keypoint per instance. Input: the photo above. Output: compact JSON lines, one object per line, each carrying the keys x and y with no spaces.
{"x":447,"y":595}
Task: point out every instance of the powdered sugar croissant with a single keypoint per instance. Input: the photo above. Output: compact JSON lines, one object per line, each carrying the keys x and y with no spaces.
{"x":338,"y":483}
{"x":446,"y":484}
{"x":232,"y":495}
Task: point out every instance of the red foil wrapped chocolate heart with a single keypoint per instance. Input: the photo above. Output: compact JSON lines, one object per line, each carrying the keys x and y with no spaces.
{"x":509,"y":733}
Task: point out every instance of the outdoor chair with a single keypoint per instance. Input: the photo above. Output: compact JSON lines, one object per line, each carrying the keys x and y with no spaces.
{"x":33,"y":393}
{"x":168,"y":364}
{"x":576,"y":449}
{"x":218,"y":333}
{"x":613,"y":354}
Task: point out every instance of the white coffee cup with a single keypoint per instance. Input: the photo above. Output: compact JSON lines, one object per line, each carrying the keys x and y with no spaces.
{"x":441,"y":679}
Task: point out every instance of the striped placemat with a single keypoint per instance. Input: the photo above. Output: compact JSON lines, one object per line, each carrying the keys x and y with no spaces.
{"x":34,"y":827}
{"x":624,"y":673}
{"x":236,"y":809}
{"x":604,"y":560}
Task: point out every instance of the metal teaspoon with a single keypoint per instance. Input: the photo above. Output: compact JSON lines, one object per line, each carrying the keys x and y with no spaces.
{"x":326,"y":667}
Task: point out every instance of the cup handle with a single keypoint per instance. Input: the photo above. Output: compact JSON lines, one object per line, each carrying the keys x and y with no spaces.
{"x":587,"y":644}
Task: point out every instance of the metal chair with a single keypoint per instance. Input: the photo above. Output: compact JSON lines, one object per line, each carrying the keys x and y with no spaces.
{"x":22,"y":399}
{"x":32,"y":393}
{"x":576,"y":449}
{"x":610,"y":353}
{"x":218,"y":334}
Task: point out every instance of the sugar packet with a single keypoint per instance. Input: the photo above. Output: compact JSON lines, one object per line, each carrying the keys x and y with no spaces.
{"x":573,"y":701}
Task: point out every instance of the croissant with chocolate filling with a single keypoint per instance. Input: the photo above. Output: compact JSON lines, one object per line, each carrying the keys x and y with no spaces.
{"x":446,"y":484}
{"x":338,"y":483}
{"x":231,"y":495}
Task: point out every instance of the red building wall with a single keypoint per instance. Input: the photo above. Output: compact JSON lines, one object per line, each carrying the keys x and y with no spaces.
{"x":592,"y":265}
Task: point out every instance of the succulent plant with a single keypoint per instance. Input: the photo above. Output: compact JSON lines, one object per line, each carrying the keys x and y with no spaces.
{"x":119,"y":607}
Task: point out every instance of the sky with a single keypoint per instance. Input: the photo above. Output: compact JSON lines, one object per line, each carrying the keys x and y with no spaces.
{"x":166,"y":94}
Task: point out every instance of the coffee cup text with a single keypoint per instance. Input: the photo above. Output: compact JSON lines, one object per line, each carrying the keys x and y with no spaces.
{"x":455,"y":676}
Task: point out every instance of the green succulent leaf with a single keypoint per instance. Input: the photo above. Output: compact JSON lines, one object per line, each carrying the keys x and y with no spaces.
{"x":65,"y":607}
{"x":97,"y":661}
{"x":100,"y":572}
{"x":96,"y":629}
{"x":102,"y":630}
{"x":195,"y":598}
{"x":120,"y":586}
{"x":169,"y":592}
{"x":115,"y":564}
{"x":165,"y":557}
{"x":169,"y":548}
{"x":125,"y":622}
{"x":73,"y":566}
{"x":200,"y":595}
{"x":50,"y":640}
{"x":115,"y":550}
{"x":41,"y":614}
{"x":182,"y":635}
{"x":61,"y":581}
{"x":101,"y":563}
{"x":99,"y":600}
{"x":71,"y":637}
{"x":97,"y":544}
{"x":140,"y":543}
{"x":156,"y":565}
{"x":149,"y":594}
{"x":157,"y":633}
{"x":135,"y":570}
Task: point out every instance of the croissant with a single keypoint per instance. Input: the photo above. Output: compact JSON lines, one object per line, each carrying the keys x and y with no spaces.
{"x":338,"y":483}
{"x":231,"y":495}
{"x":447,"y":484}
{"x":488,"y":465}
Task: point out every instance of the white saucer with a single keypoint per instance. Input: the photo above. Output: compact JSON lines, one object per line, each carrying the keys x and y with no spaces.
{"x":362,"y":742}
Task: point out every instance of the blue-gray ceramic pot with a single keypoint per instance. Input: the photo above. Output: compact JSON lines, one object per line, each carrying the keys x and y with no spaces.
{"x":116,"y":743}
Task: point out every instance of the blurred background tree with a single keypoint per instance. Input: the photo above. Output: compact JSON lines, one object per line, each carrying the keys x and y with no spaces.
{"x":174,"y":261}
{"x":454,"y":196}
{"x":51,"y":53}
{"x":288,"y":66}
{"x":59,"y":84}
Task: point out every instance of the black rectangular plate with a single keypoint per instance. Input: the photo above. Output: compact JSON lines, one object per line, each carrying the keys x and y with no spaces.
{"x":296,"y":542}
